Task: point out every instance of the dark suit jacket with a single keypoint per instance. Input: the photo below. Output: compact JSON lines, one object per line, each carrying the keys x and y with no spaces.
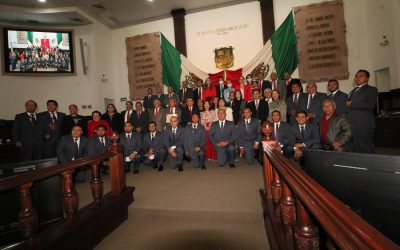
{"x":117,"y":122}
{"x":123,"y":114}
{"x":262,"y":112}
{"x":291,"y":106}
{"x":340,"y":99}
{"x":160,"y":119}
{"x":339,"y":129}
{"x":156,"y":144}
{"x":169,"y":140}
{"x":95,"y":147}
{"x":218,"y":89}
{"x":265,"y":84}
{"x":45,"y":120}
{"x":134,"y":145}
{"x":188,"y":94}
{"x":160,"y":97}
{"x":315,"y":106}
{"x":31,"y":136}
{"x":174,"y":96}
{"x":68,"y":122}
{"x":148,"y":102}
{"x":311,"y":137}
{"x":251,"y":135}
{"x":195,"y":138}
{"x":196,"y":95}
{"x":141,"y":121}
{"x":227,"y":134}
{"x":289,"y":87}
{"x":66,"y":148}
{"x":284,"y":134}
{"x":186,"y":117}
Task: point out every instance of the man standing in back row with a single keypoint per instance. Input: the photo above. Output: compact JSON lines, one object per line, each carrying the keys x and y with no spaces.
{"x":361,"y":103}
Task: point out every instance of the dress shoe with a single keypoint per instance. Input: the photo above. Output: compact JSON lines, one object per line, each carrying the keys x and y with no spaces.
{"x":126,"y":170}
{"x":160,"y":168}
{"x":136,"y":171}
{"x":203,"y":167}
{"x":180,"y":168}
{"x":232,"y":165}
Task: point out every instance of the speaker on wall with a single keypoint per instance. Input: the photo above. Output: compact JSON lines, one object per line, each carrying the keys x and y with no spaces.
{"x":82,"y":46}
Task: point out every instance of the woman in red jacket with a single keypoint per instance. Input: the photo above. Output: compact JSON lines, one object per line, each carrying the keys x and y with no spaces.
{"x":96,"y":121}
{"x":209,"y":91}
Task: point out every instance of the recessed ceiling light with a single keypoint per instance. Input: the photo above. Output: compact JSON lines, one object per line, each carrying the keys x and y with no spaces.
{"x":150,"y":0}
{"x":42,"y":1}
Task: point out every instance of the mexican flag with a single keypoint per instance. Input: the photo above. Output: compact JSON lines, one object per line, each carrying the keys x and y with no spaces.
{"x":278,"y":54}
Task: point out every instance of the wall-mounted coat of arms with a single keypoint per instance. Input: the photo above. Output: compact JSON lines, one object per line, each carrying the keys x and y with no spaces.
{"x":224,"y":57}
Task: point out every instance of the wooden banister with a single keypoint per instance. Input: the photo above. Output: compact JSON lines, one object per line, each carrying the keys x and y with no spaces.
{"x":342,"y":227}
{"x":84,"y":228}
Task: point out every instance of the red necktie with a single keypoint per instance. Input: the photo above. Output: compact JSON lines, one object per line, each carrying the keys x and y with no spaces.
{"x":156,"y":112}
{"x":190,"y":111}
{"x":274,"y":84}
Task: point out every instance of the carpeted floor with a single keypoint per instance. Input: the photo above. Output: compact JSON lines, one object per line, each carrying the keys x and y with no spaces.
{"x":218,"y":208}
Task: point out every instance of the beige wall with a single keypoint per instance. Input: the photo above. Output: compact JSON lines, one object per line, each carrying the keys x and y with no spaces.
{"x":367,"y":21}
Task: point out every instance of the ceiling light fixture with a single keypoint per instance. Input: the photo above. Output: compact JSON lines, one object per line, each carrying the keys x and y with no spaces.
{"x":42,"y":1}
{"x":150,"y":0}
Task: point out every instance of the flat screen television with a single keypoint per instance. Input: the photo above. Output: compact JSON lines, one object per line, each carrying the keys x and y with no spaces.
{"x":29,"y":51}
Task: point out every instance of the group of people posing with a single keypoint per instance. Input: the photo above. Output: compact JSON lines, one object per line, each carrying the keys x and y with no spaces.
{"x":212,"y":122}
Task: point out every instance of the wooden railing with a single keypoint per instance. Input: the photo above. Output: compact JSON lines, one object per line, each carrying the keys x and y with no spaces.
{"x":301,"y":214}
{"x":80,"y":229}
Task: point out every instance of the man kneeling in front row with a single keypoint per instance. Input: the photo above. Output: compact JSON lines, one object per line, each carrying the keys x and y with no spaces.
{"x":153,"y":146}
{"x":195,"y":142}
{"x":131,"y":142}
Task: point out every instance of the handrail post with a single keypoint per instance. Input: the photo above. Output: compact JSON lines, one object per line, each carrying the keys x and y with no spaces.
{"x":306,"y":233}
{"x":116,"y":164}
{"x":96,"y":184}
{"x":267,"y":175}
{"x":27,"y":217}
{"x":70,"y":197}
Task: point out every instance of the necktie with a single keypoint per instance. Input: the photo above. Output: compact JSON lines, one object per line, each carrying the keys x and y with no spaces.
{"x":102,"y":142}
{"x":173,"y":135}
{"x":330,"y":96}
{"x":222,"y":125}
{"x":276,"y":132}
{"x":171,"y":111}
{"x":33,"y":119}
{"x":352,"y":92}
{"x":295,"y":100}
{"x":190,"y":111}
{"x":170,"y":95}
{"x":155,"y":112}
{"x":257,"y":104}
{"x":221,"y":91}
{"x":128,"y":117}
{"x":201,"y":94}
{"x":309,"y":100}
{"x":128,"y":139}
{"x":151,"y":136}
{"x":302,"y":130}
{"x":53,"y":117}
{"x":76,"y":149}
{"x":138,"y":115}
{"x":194,"y":129}
{"x":247,"y":125}
{"x":274,"y":85}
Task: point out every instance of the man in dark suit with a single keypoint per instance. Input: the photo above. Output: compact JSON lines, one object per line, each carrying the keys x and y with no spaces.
{"x":73,"y":147}
{"x":222,"y":134}
{"x":261,"y":83}
{"x":282,"y":132}
{"x":140,"y":119}
{"x":159,"y":95}
{"x":153,"y":148}
{"x":27,"y":134}
{"x":174,"y":139}
{"x":148,"y":100}
{"x":171,"y":95}
{"x":172,"y":110}
{"x":73,"y":119}
{"x":132,"y":144}
{"x":158,"y":115}
{"x":295,"y":103}
{"x":249,"y":136}
{"x":305,"y":135}
{"x":259,"y":107}
{"x":127,"y":113}
{"x":361,"y":102}
{"x":314,"y":103}
{"x":198,"y":92}
{"x":50,"y":122}
{"x":195,"y":142}
{"x":339,"y":97}
{"x":185,"y":93}
{"x":278,"y":85}
{"x":188,"y":111}
{"x":220,"y":88}
{"x":99,"y":144}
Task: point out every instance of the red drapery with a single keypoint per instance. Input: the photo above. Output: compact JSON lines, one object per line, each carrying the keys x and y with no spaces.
{"x":214,"y":77}
{"x":234,"y":76}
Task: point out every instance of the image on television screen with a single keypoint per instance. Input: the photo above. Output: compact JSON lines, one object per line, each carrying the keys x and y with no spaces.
{"x":38,"y":51}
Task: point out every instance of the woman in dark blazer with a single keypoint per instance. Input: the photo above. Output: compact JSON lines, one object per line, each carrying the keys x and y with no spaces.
{"x":114,"y":118}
